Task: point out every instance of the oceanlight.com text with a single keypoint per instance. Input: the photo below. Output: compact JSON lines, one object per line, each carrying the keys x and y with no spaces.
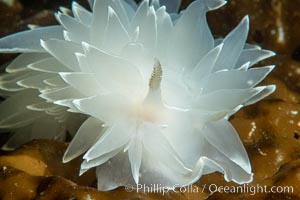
{"x":210,"y":188}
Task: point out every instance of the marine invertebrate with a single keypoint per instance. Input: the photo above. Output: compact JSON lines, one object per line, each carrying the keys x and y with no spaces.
{"x":157,"y":89}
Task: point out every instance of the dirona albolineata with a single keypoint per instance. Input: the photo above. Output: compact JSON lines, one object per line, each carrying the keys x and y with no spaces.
{"x":150,"y":87}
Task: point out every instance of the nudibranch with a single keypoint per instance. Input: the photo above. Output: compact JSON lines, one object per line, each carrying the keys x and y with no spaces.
{"x":155,"y":87}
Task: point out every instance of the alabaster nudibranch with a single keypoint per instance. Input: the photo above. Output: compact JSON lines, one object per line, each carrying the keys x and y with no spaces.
{"x":155,"y":86}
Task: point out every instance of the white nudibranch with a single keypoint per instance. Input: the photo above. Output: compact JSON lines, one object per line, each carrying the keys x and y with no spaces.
{"x":145,"y":120}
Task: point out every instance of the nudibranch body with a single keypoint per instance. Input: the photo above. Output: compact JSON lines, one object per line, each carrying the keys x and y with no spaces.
{"x":156,"y":87}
